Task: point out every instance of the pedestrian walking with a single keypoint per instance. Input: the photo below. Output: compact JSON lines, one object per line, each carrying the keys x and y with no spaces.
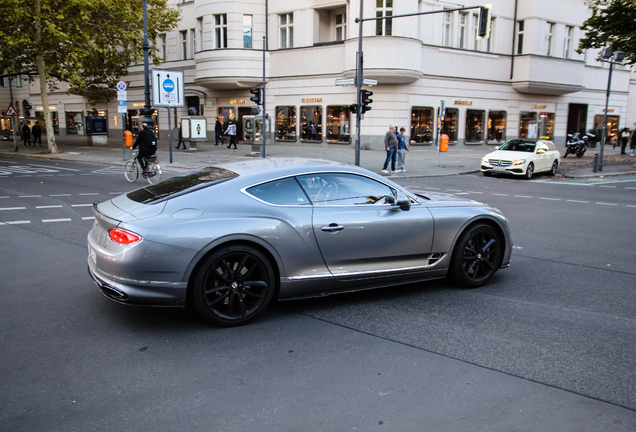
{"x":625,"y":133}
{"x":37,"y":134}
{"x":390,"y":144}
{"x":402,"y":148}
{"x":632,"y":144}
{"x":231,"y":131}
{"x":218,"y":131}
{"x":26,"y":134}
{"x":181,"y":138}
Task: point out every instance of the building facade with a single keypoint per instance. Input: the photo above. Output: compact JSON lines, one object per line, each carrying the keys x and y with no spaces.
{"x":526,"y":80}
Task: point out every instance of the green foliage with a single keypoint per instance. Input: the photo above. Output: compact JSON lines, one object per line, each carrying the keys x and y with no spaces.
{"x":613,"y":25}
{"x":597,"y":132}
{"x":86,"y":43}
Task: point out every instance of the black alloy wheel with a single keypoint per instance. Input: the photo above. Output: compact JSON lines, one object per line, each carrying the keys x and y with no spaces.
{"x":233,"y":286}
{"x":553,"y":170}
{"x":476,"y":257}
{"x":529,"y":171}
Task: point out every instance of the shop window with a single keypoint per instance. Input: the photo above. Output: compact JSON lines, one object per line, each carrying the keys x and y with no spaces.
{"x":421,"y":125}
{"x":451,"y":123}
{"x":475,"y":126}
{"x":546,"y":125}
{"x":528,"y":127}
{"x":227,"y":114}
{"x":311,"y":123}
{"x":611,"y":127}
{"x":39,"y":115}
{"x":286,"y":123}
{"x":338,"y":124}
{"x":496,"y":127}
{"x":75,"y":122}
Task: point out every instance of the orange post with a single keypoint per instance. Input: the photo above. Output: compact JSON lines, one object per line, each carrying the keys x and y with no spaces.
{"x":128,"y":138}
{"x":443,"y":143}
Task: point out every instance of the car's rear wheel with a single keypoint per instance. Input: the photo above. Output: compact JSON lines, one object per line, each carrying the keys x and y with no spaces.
{"x":476,"y":256}
{"x":233,"y":286}
{"x":529,"y":171}
{"x":553,"y":170}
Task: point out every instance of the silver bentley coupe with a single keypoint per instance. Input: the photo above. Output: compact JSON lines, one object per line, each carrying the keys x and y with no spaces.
{"x":229,"y":238}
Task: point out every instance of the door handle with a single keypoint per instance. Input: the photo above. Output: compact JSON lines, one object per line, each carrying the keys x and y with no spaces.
{"x":332,"y":227}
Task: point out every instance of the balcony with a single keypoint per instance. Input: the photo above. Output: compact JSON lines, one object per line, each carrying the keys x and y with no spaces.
{"x":548,"y":75}
{"x":230,"y":69}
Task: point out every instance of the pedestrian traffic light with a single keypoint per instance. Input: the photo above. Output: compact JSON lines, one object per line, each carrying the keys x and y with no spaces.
{"x":353,"y":108}
{"x":365,"y":100}
{"x":483,"y":32}
{"x":257,"y":98}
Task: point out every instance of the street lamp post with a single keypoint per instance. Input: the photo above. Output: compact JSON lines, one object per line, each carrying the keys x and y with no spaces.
{"x":612,"y":56}
{"x":147,"y":111}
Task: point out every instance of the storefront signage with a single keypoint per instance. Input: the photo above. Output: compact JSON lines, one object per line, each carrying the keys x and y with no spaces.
{"x":538,"y":106}
{"x":305,"y":100}
{"x":138,"y":104}
{"x":462,"y":102}
{"x":237,"y":101}
{"x":609,"y":110}
{"x":51,"y":108}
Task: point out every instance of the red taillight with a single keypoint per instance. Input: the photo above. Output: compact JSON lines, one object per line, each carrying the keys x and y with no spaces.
{"x":123,"y":237}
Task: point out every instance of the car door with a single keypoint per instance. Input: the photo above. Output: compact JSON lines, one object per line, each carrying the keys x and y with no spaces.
{"x":543,"y":162}
{"x":358,"y":229}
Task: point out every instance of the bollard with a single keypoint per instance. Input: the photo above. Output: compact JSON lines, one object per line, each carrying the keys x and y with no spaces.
{"x":595,"y":163}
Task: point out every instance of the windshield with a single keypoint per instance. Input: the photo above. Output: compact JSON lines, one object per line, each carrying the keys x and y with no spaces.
{"x":518,"y":145}
{"x":181,"y":185}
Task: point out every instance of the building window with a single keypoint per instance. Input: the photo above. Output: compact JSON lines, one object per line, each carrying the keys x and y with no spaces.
{"x":247,"y":31}
{"x":200,"y":29}
{"x":475,"y":125}
{"x":184,"y":44}
{"x":338,"y":124}
{"x":528,"y":124}
{"x":311,"y":123}
{"x":520,"y":30}
{"x":384,"y":8}
{"x":568,"y":42}
{"x":461,"y":36}
{"x":450,"y":126}
{"x":18,"y":80}
{"x":286,"y":30}
{"x":164,"y":50}
{"x":548,"y":38}
{"x":546,"y":125}
{"x":341,"y":26}
{"x":193,"y":43}
{"x":489,"y":44}
{"x":1,"y":80}
{"x":286,"y":123}
{"x":496,"y":126}
{"x":446,"y":29}
{"x":475,"y":28}
{"x":421,"y":125}
{"x":220,"y":31}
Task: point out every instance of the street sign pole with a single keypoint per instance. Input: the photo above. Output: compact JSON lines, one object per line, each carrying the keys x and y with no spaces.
{"x":264,"y":130}
{"x":359,"y":89}
{"x":14,"y":124}
{"x":442,"y":112}
{"x":170,"y":134}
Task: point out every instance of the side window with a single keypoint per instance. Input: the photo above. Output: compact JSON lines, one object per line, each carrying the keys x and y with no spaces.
{"x":344,"y":189}
{"x":280,"y":192}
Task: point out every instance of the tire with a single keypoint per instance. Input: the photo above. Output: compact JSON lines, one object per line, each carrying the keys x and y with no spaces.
{"x":487,"y":173}
{"x":131,"y":171}
{"x":222,"y":295}
{"x":153,"y":174}
{"x":529,"y":171}
{"x":553,"y":170}
{"x":476,"y":256}
{"x":580,"y":154}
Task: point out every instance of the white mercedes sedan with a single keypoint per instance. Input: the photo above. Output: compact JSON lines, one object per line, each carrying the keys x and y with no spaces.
{"x":522,"y":157}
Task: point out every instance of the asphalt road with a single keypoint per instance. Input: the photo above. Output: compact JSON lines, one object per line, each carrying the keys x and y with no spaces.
{"x":548,"y":345}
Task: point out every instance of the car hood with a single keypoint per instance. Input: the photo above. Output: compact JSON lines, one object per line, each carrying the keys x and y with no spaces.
{"x":438,"y":198}
{"x":508,"y":155}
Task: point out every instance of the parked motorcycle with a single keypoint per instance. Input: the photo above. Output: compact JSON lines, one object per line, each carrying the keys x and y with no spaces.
{"x":577,"y":144}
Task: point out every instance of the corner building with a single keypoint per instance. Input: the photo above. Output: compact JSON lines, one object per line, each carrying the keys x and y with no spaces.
{"x":526,"y":80}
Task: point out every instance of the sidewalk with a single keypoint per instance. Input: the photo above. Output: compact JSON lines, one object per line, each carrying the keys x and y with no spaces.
{"x":420,"y":162}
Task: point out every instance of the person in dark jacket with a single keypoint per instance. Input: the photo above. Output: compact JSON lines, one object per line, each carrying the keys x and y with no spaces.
{"x":37,"y":134}
{"x":390,"y":144}
{"x":181,"y":139}
{"x":218,"y":131}
{"x":26,"y":134}
{"x":147,"y":142}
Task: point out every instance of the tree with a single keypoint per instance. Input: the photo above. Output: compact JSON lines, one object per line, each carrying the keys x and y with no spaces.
{"x":88,"y":44}
{"x":611,"y":25}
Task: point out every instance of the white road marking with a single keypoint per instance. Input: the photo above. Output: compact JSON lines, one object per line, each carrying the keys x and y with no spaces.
{"x":56,"y":220}
{"x":12,"y":208}
{"x":4,"y":197}
{"x":499,"y":194}
{"x":609,"y":204}
{"x":116,"y":193}
{"x":523,"y":196}
{"x":453,"y":190}
{"x":462,"y":193}
{"x":60,"y":175}
{"x":607,"y":186}
{"x":577,"y":201}
{"x":18,"y":222}
{"x":550,"y":199}
{"x":633,"y":206}
{"x":46,"y":175}
{"x":59,"y":195}
{"x":49,"y":206}
{"x":88,"y":218}
{"x":81,"y":205}
{"x":629,"y":187}
{"x":90,"y":193}
{"x":475,"y":192}
{"x":612,"y":181}
{"x":30,"y":196}
{"x":56,"y":168}
{"x":90,"y":174}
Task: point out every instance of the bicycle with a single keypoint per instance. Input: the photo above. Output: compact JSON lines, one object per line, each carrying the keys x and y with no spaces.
{"x":152,"y":173}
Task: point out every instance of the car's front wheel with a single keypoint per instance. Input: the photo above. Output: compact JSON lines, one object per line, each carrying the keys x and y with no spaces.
{"x":529,"y":171}
{"x":233,"y":285}
{"x":476,"y":256}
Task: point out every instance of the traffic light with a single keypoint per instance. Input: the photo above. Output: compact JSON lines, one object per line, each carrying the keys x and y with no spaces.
{"x":257,"y":98}
{"x":365,"y":100}
{"x":353,"y":108}
{"x":483,"y":31}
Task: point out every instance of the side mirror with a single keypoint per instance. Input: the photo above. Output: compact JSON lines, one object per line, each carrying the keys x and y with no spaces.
{"x":403,"y":202}
{"x":540,"y":151}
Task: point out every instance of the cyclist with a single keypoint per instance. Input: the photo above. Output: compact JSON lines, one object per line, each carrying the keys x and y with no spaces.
{"x":147,"y":142}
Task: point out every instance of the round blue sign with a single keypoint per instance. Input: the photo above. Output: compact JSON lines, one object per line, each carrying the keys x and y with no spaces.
{"x":168,"y":85}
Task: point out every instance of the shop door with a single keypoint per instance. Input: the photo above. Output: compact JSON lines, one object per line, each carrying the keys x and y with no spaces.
{"x":577,"y":115}
{"x":239,"y":124}
{"x":611,"y":128}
